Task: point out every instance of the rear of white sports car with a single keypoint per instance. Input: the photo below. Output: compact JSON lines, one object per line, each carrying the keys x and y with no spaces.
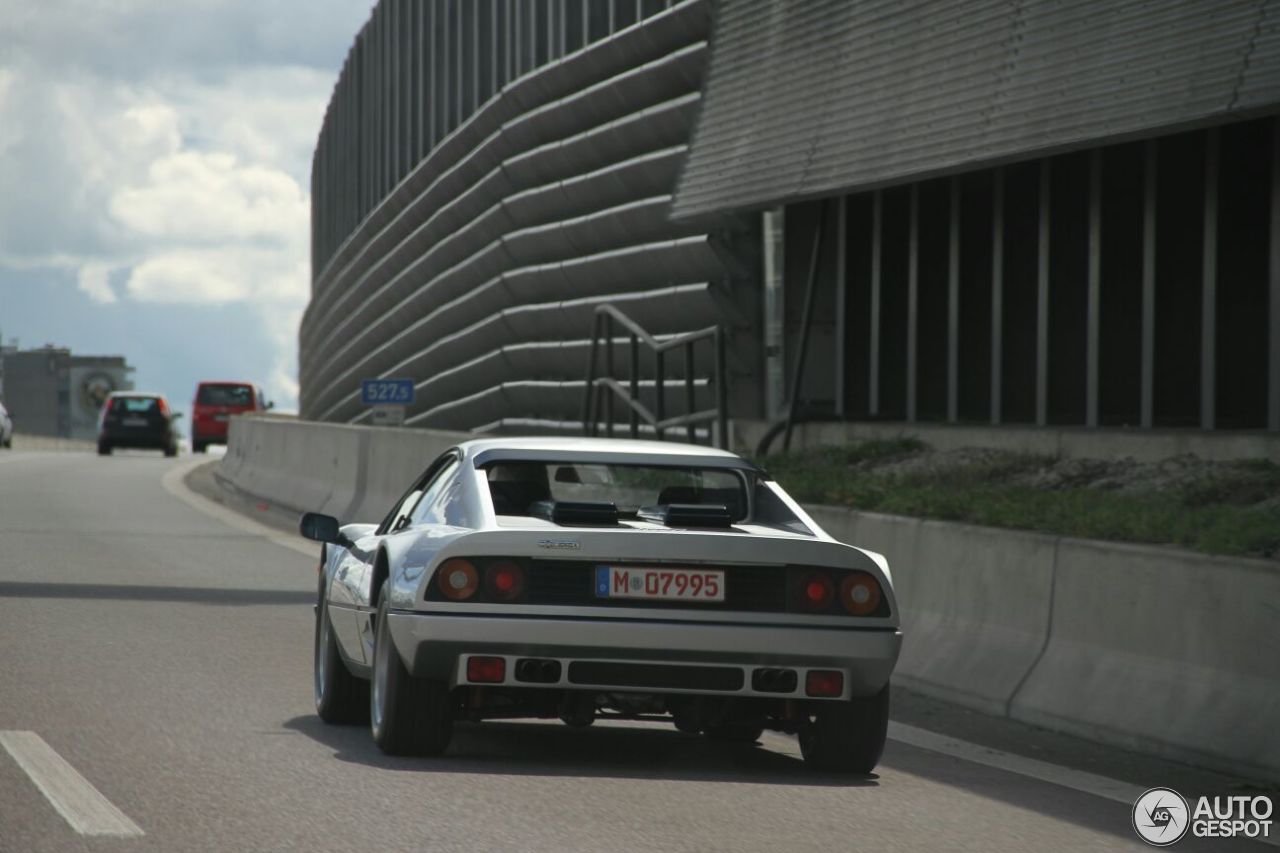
{"x":701,"y":596}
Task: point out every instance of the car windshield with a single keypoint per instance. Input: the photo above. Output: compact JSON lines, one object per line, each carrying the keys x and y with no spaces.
{"x":516,"y":486}
{"x":225,"y":395}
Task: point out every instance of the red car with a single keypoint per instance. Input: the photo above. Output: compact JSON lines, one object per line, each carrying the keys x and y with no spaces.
{"x":215,"y":403}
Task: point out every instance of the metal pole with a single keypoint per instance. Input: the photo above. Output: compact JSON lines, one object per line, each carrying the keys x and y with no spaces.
{"x":1042,"y":300}
{"x":608,"y":371}
{"x":913,"y":299}
{"x":1094,"y":307}
{"x":1149,"y":284}
{"x":953,"y":306}
{"x":588,"y":408}
{"x":660,"y":385}
{"x":634,"y":373}
{"x":842,"y":251}
{"x":997,"y":293}
{"x":797,"y":375}
{"x":690,"y":401}
{"x":722,"y":393}
{"x":1209,"y":288}
{"x":873,"y":370}
{"x":1273,"y":335}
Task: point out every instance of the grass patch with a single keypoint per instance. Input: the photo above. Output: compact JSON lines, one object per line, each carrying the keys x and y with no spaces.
{"x":1229,"y":508}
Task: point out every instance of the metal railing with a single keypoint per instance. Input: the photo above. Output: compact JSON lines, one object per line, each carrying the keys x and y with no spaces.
{"x":597,"y":405}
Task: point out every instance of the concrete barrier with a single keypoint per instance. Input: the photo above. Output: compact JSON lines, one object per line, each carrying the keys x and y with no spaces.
{"x":352,"y":472}
{"x":1164,"y":651}
{"x":1157,"y":649}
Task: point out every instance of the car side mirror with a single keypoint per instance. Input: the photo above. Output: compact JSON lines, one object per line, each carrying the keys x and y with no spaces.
{"x":319,"y":527}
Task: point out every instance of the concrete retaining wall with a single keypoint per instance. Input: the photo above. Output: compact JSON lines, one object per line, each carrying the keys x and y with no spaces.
{"x":1142,"y":445}
{"x":1157,"y":649}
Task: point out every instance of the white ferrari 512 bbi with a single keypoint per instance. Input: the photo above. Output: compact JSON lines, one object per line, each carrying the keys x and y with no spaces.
{"x":591,"y":579}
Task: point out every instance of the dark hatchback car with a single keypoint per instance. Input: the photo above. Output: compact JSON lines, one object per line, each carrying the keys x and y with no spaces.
{"x":136,"y":419}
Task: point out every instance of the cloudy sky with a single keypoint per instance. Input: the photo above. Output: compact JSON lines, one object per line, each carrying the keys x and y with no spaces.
{"x":155,"y":164}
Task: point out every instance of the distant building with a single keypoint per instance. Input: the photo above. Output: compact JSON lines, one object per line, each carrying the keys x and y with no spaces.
{"x":49,"y":391}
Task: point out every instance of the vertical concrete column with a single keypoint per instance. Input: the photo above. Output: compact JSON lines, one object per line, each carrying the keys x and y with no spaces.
{"x":997,"y":292}
{"x":913,"y":299}
{"x":1273,"y":328}
{"x":1209,"y":285}
{"x":1093,"y":307}
{"x":953,"y":305}
{"x":877,"y":255}
{"x":841,"y":284}
{"x":1147,"y":416}
{"x":1042,"y":299}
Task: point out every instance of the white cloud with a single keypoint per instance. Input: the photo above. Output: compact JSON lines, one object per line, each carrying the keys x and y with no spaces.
{"x":166,"y":147}
{"x":93,"y":280}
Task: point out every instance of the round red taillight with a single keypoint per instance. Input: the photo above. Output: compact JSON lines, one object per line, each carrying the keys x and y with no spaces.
{"x":504,"y":580}
{"x":817,"y":591}
{"x":860,"y":593}
{"x":457,"y":579}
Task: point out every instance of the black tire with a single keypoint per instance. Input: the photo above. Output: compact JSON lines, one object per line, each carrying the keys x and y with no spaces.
{"x":734,"y":732}
{"x":847,"y":736}
{"x":104,"y":449}
{"x":407,"y":715}
{"x":198,"y":447}
{"x":341,"y":698}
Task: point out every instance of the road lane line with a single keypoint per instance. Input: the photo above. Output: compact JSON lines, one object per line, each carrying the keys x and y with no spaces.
{"x":75,"y":798}
{"x":1077,"y":780}
{"x":1054,"y":774}
{"x":174,"y":482}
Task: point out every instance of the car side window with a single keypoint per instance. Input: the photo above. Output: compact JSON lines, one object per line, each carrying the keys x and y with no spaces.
{"x":430,"y":510}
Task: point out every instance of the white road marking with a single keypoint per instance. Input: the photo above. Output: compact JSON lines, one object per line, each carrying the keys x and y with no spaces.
{"x":75,"y":798}
{"x":1054,"y":774}
{"x":1077,"y":780}
{"x":174,"y":483}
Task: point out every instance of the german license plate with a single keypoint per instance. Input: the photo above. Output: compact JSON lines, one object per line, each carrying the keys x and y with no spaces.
{"x":135,"y":422}
{"x":659,"y":584}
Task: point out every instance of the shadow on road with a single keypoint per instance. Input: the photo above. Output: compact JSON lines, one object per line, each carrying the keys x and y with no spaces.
{"x":143,"y":592}
{"x":615,"y":752}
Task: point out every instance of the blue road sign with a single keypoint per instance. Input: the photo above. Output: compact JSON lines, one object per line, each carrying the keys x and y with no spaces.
{"x":374,"y":392}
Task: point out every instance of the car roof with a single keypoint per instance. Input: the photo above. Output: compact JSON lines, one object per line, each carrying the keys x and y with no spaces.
{"x":136,"y":394}
{"x":225,"y":382}
{"x":565,"y":449}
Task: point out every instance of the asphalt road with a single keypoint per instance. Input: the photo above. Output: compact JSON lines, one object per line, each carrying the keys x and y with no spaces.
{"x":165,"y":655}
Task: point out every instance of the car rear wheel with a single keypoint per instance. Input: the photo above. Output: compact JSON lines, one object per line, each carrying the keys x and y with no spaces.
{"x":104,"y":449}
{"x":340,"y":696}
{"x":408,"y":715}
{"x":847,"y":736}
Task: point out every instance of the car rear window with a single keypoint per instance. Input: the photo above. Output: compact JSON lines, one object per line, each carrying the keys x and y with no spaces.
{"x":133,"y":405}
{"x":515,"y":486}
{"x":225,"y":395}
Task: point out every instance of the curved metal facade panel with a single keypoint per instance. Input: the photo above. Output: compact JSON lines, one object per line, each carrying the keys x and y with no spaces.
{"x":814,"y":97}
{"x":476,"y":269}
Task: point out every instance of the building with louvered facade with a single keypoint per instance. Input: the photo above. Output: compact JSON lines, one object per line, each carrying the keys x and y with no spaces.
{"x":1058,"y":214}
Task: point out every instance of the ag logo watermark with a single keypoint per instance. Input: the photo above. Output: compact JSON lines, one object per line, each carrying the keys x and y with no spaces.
{"x":1162,"y":816}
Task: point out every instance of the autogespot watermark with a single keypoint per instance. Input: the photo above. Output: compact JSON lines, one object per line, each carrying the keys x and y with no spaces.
{"x":1162,"y":816}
